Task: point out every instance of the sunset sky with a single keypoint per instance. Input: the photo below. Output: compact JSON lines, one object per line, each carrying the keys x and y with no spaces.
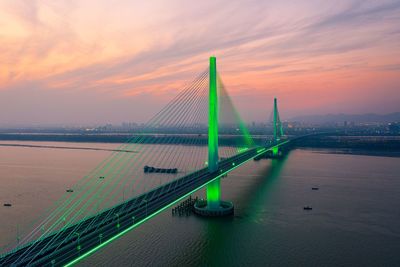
{"x":94,"y":62}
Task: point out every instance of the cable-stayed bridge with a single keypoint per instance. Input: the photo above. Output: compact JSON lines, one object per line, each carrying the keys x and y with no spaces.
{"x":161,"y":168}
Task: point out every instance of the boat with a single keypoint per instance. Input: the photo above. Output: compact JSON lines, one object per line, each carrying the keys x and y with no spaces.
{"x":148,"y":169}
{"x":7,"y":205}
{"x":307,"y":208}
{"x":314,"y":188}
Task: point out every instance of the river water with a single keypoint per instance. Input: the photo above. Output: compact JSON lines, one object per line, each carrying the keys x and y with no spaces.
{"x":354,"y":222}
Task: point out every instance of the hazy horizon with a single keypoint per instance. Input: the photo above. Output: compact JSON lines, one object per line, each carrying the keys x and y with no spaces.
{"x":322,"y":118}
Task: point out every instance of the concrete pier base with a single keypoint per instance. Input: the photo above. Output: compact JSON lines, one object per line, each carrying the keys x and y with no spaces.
{"x":225,"y":208}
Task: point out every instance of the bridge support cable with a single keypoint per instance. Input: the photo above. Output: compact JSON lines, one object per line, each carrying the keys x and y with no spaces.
{"x":135,"y":141}
{"x":173,"y":154}
{"x":163,"y":151}
{"x":231,"y":121}
{"x":178,"y":111}
{"x":123,"y":147}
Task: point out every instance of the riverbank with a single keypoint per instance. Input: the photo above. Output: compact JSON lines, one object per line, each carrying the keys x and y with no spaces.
{"x":343,"y":144}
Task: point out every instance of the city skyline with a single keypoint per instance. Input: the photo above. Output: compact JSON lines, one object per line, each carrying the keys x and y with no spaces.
{"x":92,"y":63}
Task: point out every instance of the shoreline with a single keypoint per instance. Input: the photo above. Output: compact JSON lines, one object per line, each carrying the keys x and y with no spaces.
{"x":351,"y":145}
{"x":67,"y":147}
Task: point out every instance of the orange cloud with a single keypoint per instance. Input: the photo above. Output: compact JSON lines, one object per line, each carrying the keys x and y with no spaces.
{"x":334,"y":58}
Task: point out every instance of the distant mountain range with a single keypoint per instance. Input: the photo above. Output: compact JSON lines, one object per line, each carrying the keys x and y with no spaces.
{"x":358,"y":118}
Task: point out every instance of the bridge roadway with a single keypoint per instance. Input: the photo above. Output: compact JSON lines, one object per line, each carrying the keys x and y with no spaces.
{"x":64,"y":247}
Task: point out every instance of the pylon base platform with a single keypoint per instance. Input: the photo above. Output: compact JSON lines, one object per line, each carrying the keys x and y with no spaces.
{"x":225,"y":209}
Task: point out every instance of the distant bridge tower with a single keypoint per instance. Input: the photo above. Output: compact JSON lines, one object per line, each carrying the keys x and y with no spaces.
{"x":214,"y":206}
{"x":278,"y":130}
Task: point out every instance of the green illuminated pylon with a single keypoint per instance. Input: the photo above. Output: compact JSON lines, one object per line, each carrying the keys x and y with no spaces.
{"x":214,"y":188}
{"x":275,"y":120}
{"x":213,"y":118}
{"x":278,"y":130}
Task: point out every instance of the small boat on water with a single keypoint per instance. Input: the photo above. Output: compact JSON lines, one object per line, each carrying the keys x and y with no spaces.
{"x":149,"y":169}
{"x":7,"y":205}
{"x":69,"y":190}
{"x":314,"y":188}
{"x":307,"y":208}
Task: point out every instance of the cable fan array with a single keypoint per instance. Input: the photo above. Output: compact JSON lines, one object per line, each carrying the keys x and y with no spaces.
{"x":174,"y":139}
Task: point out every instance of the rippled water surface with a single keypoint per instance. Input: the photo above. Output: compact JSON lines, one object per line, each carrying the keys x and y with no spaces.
{"x":354,"y":222}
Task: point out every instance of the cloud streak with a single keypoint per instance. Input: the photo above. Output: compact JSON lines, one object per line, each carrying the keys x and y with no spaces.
{"x":135,"y":49}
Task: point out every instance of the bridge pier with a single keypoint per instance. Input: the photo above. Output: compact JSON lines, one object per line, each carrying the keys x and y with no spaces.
{"x":213,"y":206}
{"x":275,"y":152}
